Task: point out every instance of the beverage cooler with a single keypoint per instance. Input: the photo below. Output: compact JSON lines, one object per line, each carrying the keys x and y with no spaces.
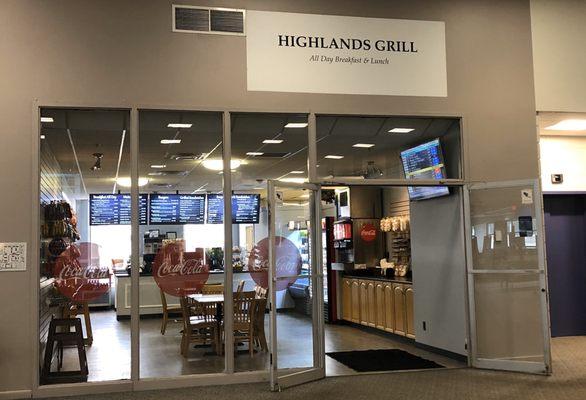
{"x":327,"y":240}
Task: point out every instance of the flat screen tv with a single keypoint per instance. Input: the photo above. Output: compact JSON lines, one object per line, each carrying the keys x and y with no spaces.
{"x":425,"y":161}
{"x":245,"y":209}
{"x":175,"y":209}
{"x":115,"y":209}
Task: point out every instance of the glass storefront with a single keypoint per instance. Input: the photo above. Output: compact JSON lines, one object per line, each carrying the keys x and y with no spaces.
{"x":242,"y":256}
{"x":85,"y":240}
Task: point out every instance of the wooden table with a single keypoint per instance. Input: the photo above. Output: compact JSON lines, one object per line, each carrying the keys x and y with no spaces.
{"x":208,"y":299}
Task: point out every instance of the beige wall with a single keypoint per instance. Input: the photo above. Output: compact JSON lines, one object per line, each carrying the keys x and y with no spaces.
{"x":123,"y":52}
{"x":559,"y":33}
{"x":563,"y":155}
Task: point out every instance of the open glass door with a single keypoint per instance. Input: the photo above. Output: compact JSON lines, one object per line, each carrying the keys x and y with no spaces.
{"x":509,"y":321}
{"x":295,"y":282}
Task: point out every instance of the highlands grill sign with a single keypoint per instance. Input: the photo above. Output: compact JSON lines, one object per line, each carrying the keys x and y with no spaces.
{"x":345,"y":55}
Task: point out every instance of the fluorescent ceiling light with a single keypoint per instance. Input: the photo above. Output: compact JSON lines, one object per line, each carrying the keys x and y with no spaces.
{"x":158,"y":166}
{"x":218,"y":164}
{"x":259,"y":188}
{"x":296,"y":172}
{"x":569,"y":125}
{"x":272,"y":141}
{"x":401,"y":130}
{"x":170,"y":141}
{"x":179,"y":125}
{"x":363,"y":145}
{"x":155,"y":173}
{"x":42,"y":136}
{"x":296,"y":125}
{"x":47,"y":119}
{"x":126,"y":182}
{"x":305,"y":196}
{"x":293,"y":180}
{"x":254,"y":153}
{"x":334,"y":157}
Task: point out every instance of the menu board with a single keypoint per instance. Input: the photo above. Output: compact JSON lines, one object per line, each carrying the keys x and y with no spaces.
{"x":170,"y":209}
{"x":115,"y":209}
{"x":215,"y":209}
{"x":245,"y":208}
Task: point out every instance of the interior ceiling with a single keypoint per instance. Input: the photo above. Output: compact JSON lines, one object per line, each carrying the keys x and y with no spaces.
{"x":101,"y":131}
{"x":546,"y":119}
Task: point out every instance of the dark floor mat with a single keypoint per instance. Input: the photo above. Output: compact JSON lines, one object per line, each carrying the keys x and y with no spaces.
{"x":382,"y":360}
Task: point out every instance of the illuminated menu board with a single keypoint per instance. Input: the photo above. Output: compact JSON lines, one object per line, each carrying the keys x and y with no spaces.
{"x":245,"y":208}
{"x":115,"y":209}
{"x":169,"y":209}
{"x":215,"y":209}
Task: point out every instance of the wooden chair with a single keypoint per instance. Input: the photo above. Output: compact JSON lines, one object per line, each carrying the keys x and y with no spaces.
{"x":261,"y":292}
{"x":239,"y":289}
{"x":244,"y":317}
{"x":199,"y":329}
{"x":259,"y":337}
{"x":212,"y":289}
{"x":168,"y":310}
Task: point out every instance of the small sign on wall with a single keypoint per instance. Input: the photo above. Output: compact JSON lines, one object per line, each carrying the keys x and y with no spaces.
{"x":12,"y":257}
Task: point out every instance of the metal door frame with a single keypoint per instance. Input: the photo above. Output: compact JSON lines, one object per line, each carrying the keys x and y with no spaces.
{"x":298,"y":376}
{"x":509,"y":365}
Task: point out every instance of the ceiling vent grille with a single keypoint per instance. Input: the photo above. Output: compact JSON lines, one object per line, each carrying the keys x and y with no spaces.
{"x":223,"y":21}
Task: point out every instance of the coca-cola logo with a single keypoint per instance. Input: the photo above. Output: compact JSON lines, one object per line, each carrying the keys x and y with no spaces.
{"x":78,"y":274}
{"x":368,"y":232}
{"x":180,"y":273}
{"x":287,"y":263}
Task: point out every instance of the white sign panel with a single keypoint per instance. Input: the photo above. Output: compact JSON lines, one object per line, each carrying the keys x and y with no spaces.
{"x":12,"y":257}
{"x":347,"y":55}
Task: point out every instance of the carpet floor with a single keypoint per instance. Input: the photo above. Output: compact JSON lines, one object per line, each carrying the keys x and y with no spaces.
{"x":568,"y":382}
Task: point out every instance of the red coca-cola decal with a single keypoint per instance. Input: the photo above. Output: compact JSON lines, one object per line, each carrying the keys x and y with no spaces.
{"x":78,"y":274}
{"x":368,"y":232}
{"x":179,"y":273}
{"x":287,"y":260}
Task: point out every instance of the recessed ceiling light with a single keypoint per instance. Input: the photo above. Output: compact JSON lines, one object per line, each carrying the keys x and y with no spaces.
{"x":334,"y":157}
{"x":296,"y":125}
{"x":47,"y":119}
{"x":179,"y":125}
{"x":158,"y":166}
{"x":42,"y":136}
{"x":170,"y":141}
{"x":254,"y":153}
{"x":218,"y":164}
{"x":296,"y":172}
{"x":401,"y":130}
{"x":293,"y":180}
{"x":569,"y":125}
{"x":272,"y":141}
{"x":126,"y":181}
{"x":363,"y":145}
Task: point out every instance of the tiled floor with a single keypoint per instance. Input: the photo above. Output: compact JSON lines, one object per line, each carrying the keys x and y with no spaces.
{"x":109,"y":356}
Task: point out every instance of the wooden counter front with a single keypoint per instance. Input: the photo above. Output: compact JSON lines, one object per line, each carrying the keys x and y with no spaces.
{"x":383,"y":304}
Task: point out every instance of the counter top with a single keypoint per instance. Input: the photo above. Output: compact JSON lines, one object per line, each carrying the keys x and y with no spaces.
{"x":124,"y":274}
{"x":396,"y":279}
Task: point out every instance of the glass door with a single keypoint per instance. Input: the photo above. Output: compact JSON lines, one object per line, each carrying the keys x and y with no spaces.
{"x":295,"y":284}
{"x":509,"y":321}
